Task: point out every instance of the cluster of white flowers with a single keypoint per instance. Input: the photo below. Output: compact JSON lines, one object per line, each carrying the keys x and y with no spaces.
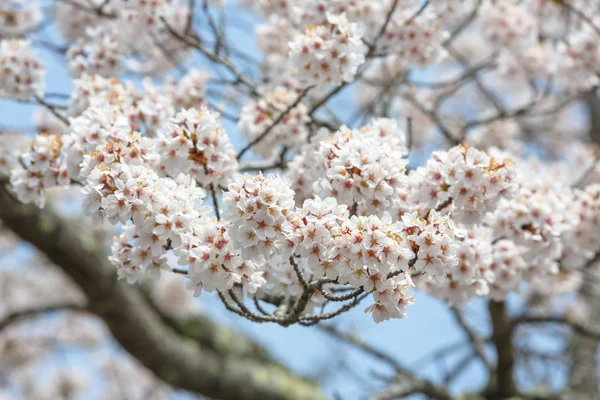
{"x":513,"y":265}
{"x":577,"y":60}
{"x":18,"y":17}
{"x":257,"y":213}
{"x":130,"y":261}
{"x":508,"y":25}
{"x":115,"y":176}
{"x":508,"y":267}
{"x":286,"y":24}
{"x":258,"y":115}
{"x":469,"y":277}
{"x":436,"y":240}
{"x":73,"y":18}
{"x":146,"y":109}
{"x":305,"y":168}
{"x":582,"y":243}
{"x":379,"y":254}
{"x":469,"y":179}
{"x":190,"y":90}
{"x":373,"y":254}
{"x":391,"y":299}
{"x":535,"y":217}
{"x":145,"y":29}
{"x":95,"y":127}
{"x":528,"y":228}
{"x":193,"y":143}
{"x":363,"y":167}
{"x":452,"y":12}
{"x":416,"y":42}
{"x":373,"y":248}
{"x":100,"y":53}
{"x":314,"y":228}
{"x":137,"y":35}
{"x":328,"y":54}
{"x":364,"y":252}
{"x":160,"y":213}
{"x":89,"y":87}
{"x":21,"y":74}
{"x":11,"y":146}
{"x":44,"y":168}
{"x":213,"y":262}
{"x":368,"y":14}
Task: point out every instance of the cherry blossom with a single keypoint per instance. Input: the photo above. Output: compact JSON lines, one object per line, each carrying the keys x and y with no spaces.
{"x":328,"y":54}
{"x":21,"y":75}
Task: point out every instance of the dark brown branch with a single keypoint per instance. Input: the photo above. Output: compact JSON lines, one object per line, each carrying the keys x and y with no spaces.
{"x":17,"y":316}
{"x":502,"y":339}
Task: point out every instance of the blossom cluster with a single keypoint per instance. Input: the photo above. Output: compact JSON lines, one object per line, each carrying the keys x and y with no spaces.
{"x":116,"y":176}
{"x":508,"y":25}
{"x":258,"y":116}
{"x":328,"y":54}
{"x":193,"y":143}
{"x":380,"y":256}
{"x":44,"y":169}
{"x":415,"y":41}
{"x":582,"y":243}
{"x":73,"y":18}
{"x":471,"y":276}
{"x":469,"y":179}
{"x":306,"y":167}
{"x":190,"y":90}
{"x":377,"y":255}
{"x":527,"y":229}
{"x":18,"y":17}
{"x":21,"y":74}
{"x":118,"y":34}
{"x":535,"y":217}
{"x":214,"y":263}
{"x":146,"y":109}
{"x":257,"y":212}
{"x":11,"y":146}
{"x":159,"y":214}
{"x":364,"y":167}
{"x":100,"y":53}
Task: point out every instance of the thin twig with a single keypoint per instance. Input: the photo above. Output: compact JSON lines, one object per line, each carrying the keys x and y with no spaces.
{"x":275,"y":122}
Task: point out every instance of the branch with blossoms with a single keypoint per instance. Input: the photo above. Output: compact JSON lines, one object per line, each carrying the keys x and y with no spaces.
{"x":316,"y":210}
{"x":188,"y":155}
{"x":180,"y":351}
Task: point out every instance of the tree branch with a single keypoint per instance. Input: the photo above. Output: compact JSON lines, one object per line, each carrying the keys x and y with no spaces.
{"x":502,"y":339}
{"x":178,"y":361}
{"x":17,"y":316}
